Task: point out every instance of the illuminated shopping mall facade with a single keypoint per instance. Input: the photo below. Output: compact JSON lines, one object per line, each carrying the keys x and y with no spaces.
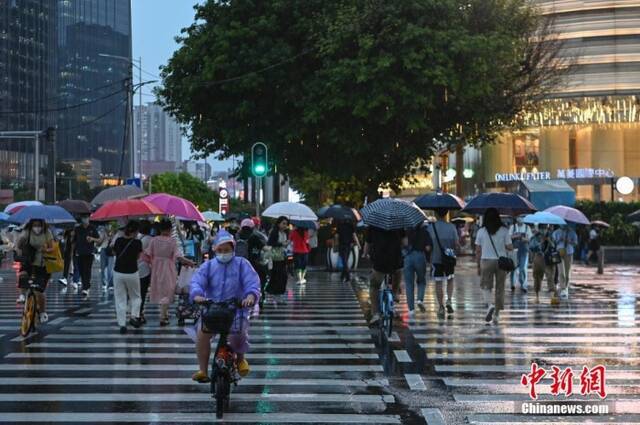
{"x":587,"y":131}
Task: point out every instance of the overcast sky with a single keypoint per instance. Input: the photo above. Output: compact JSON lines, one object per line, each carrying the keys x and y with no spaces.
{"x":155,"y":24}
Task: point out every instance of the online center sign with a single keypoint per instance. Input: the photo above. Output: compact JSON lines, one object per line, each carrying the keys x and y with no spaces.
{"x":565,"y":173}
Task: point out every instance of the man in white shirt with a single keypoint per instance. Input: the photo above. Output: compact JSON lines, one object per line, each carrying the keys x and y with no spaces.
{"x":520,"y":234}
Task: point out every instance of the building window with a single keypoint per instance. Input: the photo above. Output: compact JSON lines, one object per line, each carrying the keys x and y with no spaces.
{"x":526,"y":150}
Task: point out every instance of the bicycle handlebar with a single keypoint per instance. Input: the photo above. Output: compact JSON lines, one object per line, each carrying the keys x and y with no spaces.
{"x":230,"y":302}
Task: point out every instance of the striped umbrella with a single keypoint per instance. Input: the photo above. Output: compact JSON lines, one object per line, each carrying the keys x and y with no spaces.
{"x":392,"y":214}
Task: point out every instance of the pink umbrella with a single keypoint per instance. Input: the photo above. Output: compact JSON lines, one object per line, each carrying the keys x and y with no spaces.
{"x":174,"y":205}
{"x":569,"y":214}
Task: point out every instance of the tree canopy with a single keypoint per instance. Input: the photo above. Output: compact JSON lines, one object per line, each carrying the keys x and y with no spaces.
{"x":356,"y":91}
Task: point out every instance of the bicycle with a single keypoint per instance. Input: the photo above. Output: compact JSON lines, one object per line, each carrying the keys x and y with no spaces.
{"x":219,"y":317}
{"x":386,"y":306}
{"x":30,"y":310}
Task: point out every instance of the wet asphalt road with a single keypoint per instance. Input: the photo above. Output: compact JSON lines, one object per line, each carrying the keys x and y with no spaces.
{"x":316,"y":361}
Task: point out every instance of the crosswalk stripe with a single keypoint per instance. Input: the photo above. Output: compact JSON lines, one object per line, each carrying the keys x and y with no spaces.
{"x":89,"y":381}
{"x":415,"y":382}
{"x":125,"y":345}
{"x":190,"y":355}
{"x":181,"y":367}
{"x":94,"y":417}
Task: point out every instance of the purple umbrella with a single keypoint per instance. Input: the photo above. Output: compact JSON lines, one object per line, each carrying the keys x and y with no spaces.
{"x":174,"y":205}
{"x":569,"y":214}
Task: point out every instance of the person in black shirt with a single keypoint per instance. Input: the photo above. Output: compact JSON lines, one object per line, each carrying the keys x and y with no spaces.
{"x":85,"y":238}
{"x":126,"y":280}
{"x":346,"y":237}
{"x":384,"y":247}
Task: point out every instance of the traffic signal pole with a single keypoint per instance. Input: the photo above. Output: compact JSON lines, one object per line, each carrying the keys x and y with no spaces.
{"x":259,"y":168}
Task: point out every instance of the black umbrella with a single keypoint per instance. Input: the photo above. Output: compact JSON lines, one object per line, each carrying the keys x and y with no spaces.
{"x":76,"y":206}
{"x":439,"y":200}
{"x":505,"y":203}
{"x":339,"y":213}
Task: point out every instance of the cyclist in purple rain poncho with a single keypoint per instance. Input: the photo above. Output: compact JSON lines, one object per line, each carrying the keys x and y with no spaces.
{"x":220,"y":279}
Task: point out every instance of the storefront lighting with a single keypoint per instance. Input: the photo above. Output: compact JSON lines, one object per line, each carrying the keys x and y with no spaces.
{"x":451,"y":174}
{"x":467,"y":173}
{"x":625,"y":185}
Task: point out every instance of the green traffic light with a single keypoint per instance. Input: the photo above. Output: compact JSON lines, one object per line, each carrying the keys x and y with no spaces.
{"x":259,"y":169}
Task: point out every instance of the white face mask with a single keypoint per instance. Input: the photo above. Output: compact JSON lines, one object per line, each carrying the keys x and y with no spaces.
{"x":85,"y":220}
{"x":37,"y":229}
{"x":224,"y":258}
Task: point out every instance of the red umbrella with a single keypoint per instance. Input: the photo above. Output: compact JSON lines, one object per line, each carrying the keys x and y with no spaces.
{"x":125,"y":208}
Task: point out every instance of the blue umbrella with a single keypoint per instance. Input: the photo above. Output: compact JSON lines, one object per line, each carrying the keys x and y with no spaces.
{"x":304,"y":224}
{"x":505,"y":203}
{"x":4,"y":217}
{"x":437,"y":200}
{"x":212,"y":216}
{"x":543,"y":217}
{"x":392,"y":214}
{"x":51,"y":214}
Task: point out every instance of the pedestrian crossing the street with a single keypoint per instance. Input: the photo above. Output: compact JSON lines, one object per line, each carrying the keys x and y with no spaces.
{"x":481,"y":366}
{"x":313,"y":361}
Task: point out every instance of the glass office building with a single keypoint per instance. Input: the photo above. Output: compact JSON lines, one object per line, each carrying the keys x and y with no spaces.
{"x":94,"y":57}
{"x":27,"y":89}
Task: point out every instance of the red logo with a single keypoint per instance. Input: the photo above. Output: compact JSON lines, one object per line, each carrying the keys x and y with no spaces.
{"x":592,"y":381}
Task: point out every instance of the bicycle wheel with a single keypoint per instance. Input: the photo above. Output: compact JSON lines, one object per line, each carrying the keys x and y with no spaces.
{"x":222,"y":392}
{"x":28,"y":315}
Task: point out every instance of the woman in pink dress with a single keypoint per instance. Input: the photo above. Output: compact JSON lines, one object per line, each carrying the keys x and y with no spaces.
{"x":163,"y":253}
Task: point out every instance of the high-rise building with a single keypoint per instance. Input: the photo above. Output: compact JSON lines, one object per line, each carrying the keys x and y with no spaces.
{"x":161,"y":139}
{"x":94,"y":71}
{"x":27,"y":89}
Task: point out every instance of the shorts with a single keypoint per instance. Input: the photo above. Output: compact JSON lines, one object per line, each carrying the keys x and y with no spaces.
{"x":442,"y":272}
{"x":38,"y":274}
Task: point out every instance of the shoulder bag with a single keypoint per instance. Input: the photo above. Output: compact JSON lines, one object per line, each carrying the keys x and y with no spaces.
{"x":448,"y":255}
{"x":504,"y":263}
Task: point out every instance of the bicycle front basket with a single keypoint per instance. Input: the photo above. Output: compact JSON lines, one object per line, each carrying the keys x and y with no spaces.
{"x":218,"y":318}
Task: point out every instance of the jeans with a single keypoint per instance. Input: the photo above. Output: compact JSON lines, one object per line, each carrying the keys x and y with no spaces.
{"x":106,"y":268}
{"x":564,"y":270}
{"x":521,"y":270}
{"x":415,"y":270}
{"x":344,"y":252}
{"x":76,"y":269}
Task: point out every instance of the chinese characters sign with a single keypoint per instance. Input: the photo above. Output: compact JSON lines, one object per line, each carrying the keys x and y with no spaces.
{"x":563,"y":173}
{"x":592,"y":380}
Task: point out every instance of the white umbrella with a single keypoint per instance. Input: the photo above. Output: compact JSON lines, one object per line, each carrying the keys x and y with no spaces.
{"x":291,"y":210}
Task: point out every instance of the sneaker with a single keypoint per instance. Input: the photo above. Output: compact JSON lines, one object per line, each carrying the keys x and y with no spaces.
{"x":375,"y":319}
{"x":490,"y":312}
{"x":441,"y":312}
{"x":524,"y":290}
{"x":135,"y":322}
{"x":554,"y":299}
{"x":496,"y":318}
{"x":123,"y":330}
{"x":164,"y":322}
{"x":449,"y":308}
{"x":63,"y":281}
{"x":564,"y":294}
{"x":303,"y":281}
{"x":201,"y":377}
{"x":143,"y":320}
{"x":513,"y":287}
{"x":85,"y":292}
{"x":421,"y":306}
{"x":412,"y":314}
{"x":105,"y":288}
{"x":74,"y":285}
{"x":243,"y":367}
{"x":44,"y":317}
{"x":21,"y":299}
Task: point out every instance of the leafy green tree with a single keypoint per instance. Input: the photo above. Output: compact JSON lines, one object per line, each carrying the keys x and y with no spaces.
{"x":186,"y":186}
{"x":361,"y":92}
